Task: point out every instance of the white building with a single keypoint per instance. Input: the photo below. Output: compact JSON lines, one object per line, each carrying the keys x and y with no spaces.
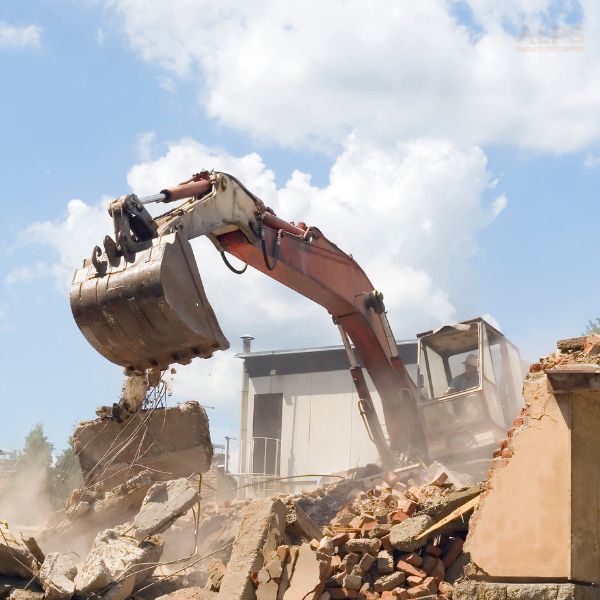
{"x":300,"y":414}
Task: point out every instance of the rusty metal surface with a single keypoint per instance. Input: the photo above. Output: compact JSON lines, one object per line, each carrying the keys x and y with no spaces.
{"x":187,"y":190}
{"x":148,"y":313}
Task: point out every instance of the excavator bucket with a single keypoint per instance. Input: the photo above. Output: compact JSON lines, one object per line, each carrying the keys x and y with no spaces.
{"x":151,"y":312}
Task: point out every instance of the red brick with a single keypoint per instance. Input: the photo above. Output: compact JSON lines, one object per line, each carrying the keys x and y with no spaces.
{"x":439,"y":480}
{"x":429,"y":563}
{"x":368,"y":526}
{"x":340,"y":539}
{"x":418,"y":591}
{"x":430,"y":584}
{"x":417,"y":493}
{"x":386,"y":544}
{"x":433,"y":550}
{"x":412,"y":559}
{"x":360,"y":521}
{"x":408,"y":507}
{"x":398,"y":516}
{"x":409,"y":569}
{"x":282,"y":552}
{"x":439,"y":571}
{"x":413,"y":580}
{"x":453,"y":552}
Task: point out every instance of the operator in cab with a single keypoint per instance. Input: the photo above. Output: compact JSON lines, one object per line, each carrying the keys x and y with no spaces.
{"x":468,"y":379}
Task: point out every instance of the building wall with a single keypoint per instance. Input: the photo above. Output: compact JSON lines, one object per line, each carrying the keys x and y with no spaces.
{"x":322,"y":431}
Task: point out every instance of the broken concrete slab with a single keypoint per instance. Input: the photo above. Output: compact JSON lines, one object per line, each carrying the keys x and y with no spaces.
{"x":299,"y":525}
{"x":404,"y":535}
{"x":57,"y":576}
{"x":164,"y":503}
{"x":15,"y":559}
{"x":190,"y":593}
{"x":260,"y":533}
{"x":25,"y":595}
{"x":481,"y":590}
{"x":117,"y":563}
{"x":216,"y":571}
{"x":307,"y":582}
{"x":172,"y":442}
{"x":267,"y":591}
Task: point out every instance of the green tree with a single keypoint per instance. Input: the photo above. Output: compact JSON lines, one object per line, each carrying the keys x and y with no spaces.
{"x":34,"y":466}
{"x":67,"y":475}
{"x":37,"y":451}
{"x":592,"y":326}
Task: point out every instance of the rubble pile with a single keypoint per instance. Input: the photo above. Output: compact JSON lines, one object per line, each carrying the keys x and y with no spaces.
{"x":120,"y":560}
{"x":386,"y":543}
{"x":584,"y":350}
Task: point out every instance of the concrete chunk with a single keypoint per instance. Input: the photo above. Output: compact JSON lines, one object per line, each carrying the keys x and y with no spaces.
{"x":389,"y":582}
{"x":216,"y":571}
{"x":307,"y":581}
{"x":260,"y":533}
{"x":15,"y":559}
{"x":364,"y":545}
{"x":57,"y":577}
{"x":25,"y":595}
{"x":118,"y":562}
{"x":164,"y":503}
{"x":300,"y":525}
{"x":402,"y":536}
{"x":191,"y":593}
{"x":174,"y":441}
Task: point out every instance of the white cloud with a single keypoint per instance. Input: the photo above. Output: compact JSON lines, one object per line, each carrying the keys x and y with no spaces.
{"x":145,"y":143}
{"x":12,"y":36}
{"x":72,"y":239}
{"x":591,"y":161}
{"x":306,"y":74}
{"x":26,"y":274}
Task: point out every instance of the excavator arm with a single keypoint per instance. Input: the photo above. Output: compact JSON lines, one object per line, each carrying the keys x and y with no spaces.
{"x":140,"y":301}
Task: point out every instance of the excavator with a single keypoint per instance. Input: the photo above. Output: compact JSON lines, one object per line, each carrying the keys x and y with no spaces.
{"x":140,"y":302}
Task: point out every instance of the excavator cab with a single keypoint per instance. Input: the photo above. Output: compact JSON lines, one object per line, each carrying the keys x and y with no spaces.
{"x":469,"y":378}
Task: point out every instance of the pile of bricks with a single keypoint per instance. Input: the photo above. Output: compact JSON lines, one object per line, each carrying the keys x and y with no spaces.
{"x":383,"y":545}
{"x":579,"y":350}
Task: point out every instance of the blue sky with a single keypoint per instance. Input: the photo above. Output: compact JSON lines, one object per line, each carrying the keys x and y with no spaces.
{"x":470,"y":169}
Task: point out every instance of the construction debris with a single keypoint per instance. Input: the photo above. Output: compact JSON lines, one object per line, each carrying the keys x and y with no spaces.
{"x":368,"y":537}
{"x":164,"y":503}
{"x":117,"y":563}
{"x":260,"y":533}
{"x":57,"y":577}
{"x":15,"y":558}
{"x":170,"y":443}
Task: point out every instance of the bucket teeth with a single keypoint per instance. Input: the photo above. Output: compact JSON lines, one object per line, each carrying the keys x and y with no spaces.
{"x":148,"y":313}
